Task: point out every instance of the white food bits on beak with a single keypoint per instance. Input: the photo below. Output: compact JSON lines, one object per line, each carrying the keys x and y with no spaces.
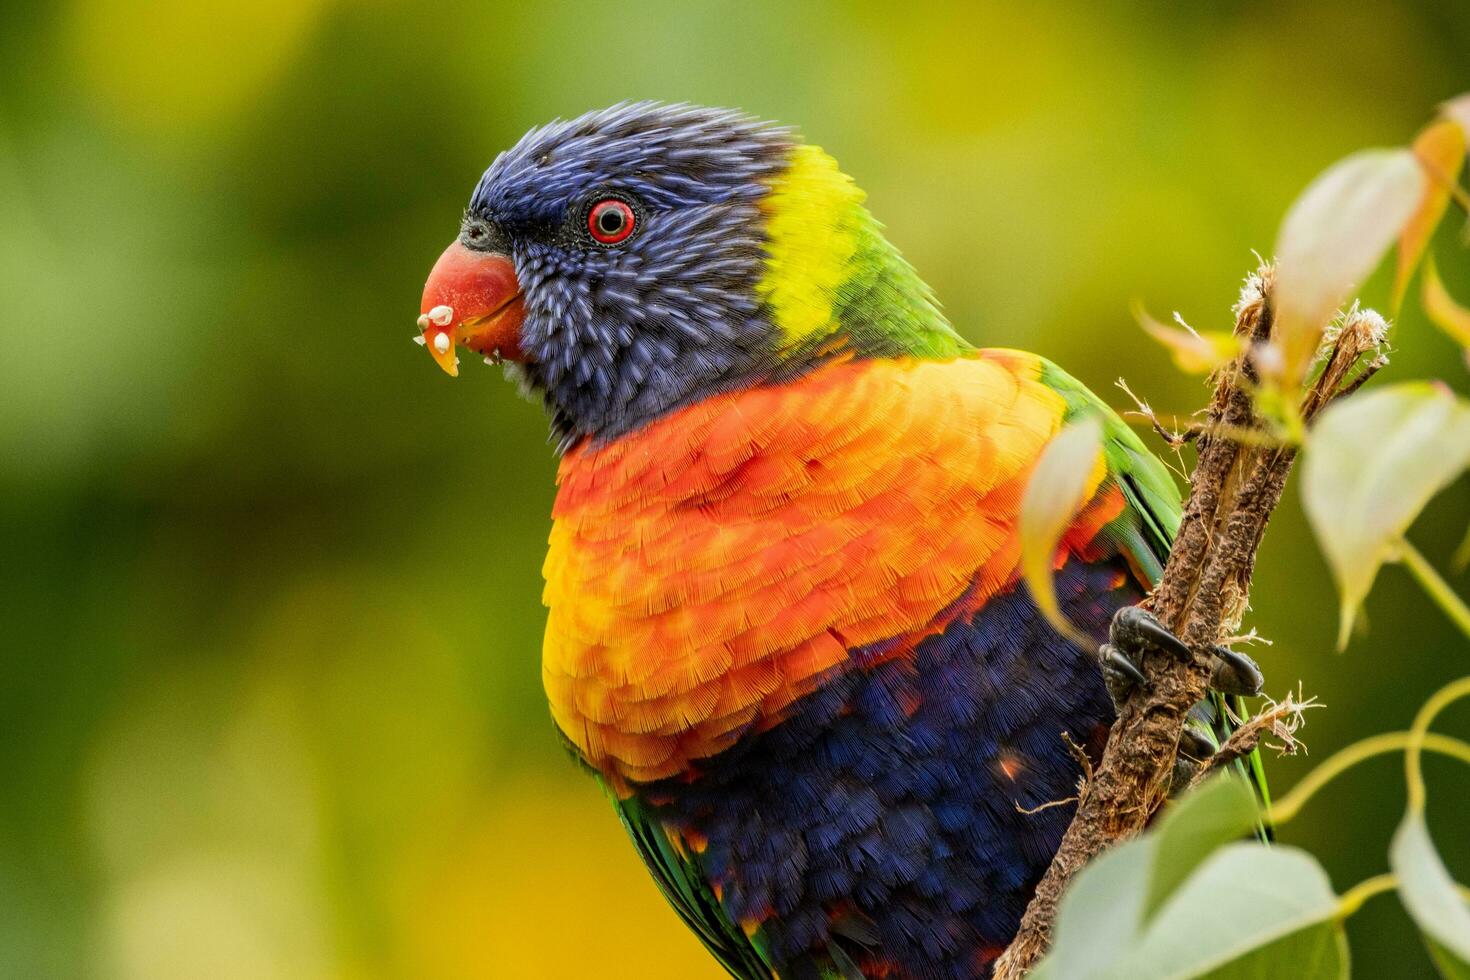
{"x":441,"y":343}
{"x":419,"y":340}
{"x":440,"y":316}
{"x":423,"y":322}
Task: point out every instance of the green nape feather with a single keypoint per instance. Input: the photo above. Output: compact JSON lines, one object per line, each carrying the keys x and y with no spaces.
{"x":832,"y":275}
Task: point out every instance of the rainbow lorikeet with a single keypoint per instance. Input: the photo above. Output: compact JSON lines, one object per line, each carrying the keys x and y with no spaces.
{"x":787,"y":630}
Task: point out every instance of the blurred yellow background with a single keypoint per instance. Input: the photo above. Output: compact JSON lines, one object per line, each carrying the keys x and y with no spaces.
{"x":269,"y":582}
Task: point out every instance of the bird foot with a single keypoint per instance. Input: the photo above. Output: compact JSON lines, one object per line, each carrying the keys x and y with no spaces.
{"x":1135,"y":631}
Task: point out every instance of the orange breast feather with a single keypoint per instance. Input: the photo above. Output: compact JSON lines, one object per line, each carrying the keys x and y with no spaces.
{"x":708,"y":570}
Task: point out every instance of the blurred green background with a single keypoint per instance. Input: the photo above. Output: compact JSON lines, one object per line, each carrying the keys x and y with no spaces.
{"x":269,"y":582}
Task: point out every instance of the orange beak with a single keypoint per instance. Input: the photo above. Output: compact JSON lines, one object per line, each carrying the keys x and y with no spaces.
{"x":474,"y":299}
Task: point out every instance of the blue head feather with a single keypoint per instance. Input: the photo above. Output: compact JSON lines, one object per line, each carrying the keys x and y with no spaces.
{"x":615,"y":336}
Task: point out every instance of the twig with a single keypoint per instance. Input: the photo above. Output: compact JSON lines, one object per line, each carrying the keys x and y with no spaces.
{"x":1371,"y":368}
{"x":1083,"y":759}
{"x":1281,"y":720}
{"x":1175,"y":438}
{"x":1202,"y":596}
{"x":1030,"y":811}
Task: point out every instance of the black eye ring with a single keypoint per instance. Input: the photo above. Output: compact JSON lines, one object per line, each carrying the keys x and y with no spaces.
{"x":611,"y":221}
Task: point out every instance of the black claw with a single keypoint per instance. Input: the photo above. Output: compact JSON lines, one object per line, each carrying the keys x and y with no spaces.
{"x":1195,"y":744}
{"x":1236,"y":673}
{"x":1135,"y":631}
{"x":1115,"y":661}
{"x":1153,"y":632}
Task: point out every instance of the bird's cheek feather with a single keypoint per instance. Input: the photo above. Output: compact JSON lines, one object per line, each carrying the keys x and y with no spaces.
{"x":471,"y":298}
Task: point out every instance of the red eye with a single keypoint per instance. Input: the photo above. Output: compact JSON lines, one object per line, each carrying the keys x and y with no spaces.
{"x":610,"y":221}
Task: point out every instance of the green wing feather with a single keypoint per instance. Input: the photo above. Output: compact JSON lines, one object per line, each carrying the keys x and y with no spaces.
{"x":682,"y":881}
{"x":1148,"y":525}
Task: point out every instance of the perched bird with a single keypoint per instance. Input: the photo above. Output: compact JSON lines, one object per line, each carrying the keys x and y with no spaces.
{"x":786,"y":627}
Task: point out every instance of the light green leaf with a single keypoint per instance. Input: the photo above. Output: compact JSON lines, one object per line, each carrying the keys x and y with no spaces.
{"x":1070,"y":469}
{"x":1332,"y":237}
{"x":1450,"y":966}
{"x":1101,"y":914}
{"x":1246,"y":898}
{"x":1116,"y":904}
{"x":1373,"y":461}
{"x":1221,"y":811}
{"x":1321,"y":951}
{"x":1430,"y":895}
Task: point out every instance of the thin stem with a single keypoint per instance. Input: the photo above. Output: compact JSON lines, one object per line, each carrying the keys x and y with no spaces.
{"x":1439,"y":590}
{"x":1454,"y":607}
{"x":1354,"y":897}
{"x":1419,"y":735}
{"x":1339,"y":762}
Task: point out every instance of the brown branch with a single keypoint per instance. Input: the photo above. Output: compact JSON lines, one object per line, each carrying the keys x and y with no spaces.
{"x":1202,"y":596}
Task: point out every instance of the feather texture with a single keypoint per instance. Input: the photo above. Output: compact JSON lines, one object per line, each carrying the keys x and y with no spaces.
{"x":706,"y":572}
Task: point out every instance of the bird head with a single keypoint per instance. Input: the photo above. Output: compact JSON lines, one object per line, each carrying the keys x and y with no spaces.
{"x":638,"y":258}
